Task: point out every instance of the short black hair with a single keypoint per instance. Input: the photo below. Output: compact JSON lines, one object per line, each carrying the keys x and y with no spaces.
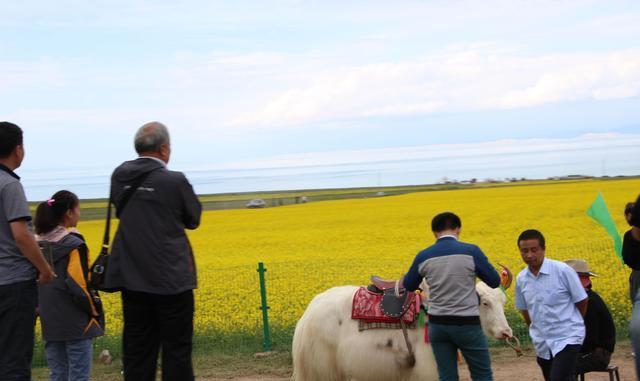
{"x":445,"y":221}
{"x":628,"y":209}
{"x":532,"y":234}
{"x":10,"y":138}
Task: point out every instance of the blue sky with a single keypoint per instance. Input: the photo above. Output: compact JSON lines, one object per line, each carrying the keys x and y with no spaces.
{"x":246,"y":81}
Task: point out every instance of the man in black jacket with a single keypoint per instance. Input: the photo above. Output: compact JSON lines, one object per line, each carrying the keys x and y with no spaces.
{"x":600,"y":338}
{"x":151,"y":260}
{"x":631,"y":260}
{"x":631,"y":256}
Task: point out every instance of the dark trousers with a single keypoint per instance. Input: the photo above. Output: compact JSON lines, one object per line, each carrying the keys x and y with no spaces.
{"x":596,"y":360}
{"x":445,"y":342}
{"x":562,"y":366}
{"x":153,"y":322}
{"x":17,"y":320}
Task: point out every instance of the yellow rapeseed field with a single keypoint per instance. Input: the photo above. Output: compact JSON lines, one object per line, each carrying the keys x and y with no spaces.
{"x":310,"y":247}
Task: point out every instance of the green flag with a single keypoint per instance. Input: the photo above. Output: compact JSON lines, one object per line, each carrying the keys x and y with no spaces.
{"x":599,"y":212}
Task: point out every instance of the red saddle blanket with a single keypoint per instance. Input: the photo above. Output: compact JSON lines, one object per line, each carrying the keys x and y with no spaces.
{"x":366,"y":307}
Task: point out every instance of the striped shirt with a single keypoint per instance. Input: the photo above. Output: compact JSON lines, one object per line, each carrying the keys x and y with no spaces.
{"x":14,"y":266}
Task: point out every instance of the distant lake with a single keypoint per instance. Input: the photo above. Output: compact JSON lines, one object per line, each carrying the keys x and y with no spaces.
{"x":593,"y":155}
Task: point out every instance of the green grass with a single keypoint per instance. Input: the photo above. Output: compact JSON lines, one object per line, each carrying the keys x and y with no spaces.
{"x":219,"y":365}
{"x":210,"y":342}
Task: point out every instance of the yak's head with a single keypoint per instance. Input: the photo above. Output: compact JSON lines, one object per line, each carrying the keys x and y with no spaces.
{"x":494,"y":322}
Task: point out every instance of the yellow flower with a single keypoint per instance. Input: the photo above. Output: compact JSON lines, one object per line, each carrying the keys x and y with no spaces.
{"x":310,"y":247}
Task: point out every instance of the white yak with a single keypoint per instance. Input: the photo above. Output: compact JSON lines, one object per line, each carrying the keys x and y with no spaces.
{"x":327,"y":345}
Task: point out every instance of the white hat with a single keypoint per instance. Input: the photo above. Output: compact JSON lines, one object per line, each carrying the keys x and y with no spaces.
{"x":581,"y":266}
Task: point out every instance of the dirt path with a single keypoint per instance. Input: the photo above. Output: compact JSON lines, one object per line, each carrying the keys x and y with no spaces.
{"x":506,"y":367}
{"x":250,"y":378}
{"x":526,"y":369}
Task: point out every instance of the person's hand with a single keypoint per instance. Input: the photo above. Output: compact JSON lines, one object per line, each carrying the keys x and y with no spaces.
{"x":46,"y":276}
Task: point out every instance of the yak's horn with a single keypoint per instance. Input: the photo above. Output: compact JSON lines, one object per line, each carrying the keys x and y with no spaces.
{"x":505,"y":276}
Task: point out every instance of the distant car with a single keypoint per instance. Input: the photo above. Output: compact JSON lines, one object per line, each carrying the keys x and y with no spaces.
{"x":256,"y":203}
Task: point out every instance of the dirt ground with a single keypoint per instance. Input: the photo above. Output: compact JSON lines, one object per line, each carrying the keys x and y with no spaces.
{"x":506,"y":367}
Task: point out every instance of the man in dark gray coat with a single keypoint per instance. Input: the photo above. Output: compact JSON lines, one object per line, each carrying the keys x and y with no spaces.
{"x":152,"y":262}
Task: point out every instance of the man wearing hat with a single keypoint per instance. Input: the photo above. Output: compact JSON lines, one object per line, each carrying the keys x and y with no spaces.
{"x":600,"y":338}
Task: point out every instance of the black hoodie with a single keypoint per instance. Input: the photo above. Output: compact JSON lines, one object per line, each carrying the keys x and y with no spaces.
{"x":150,"y":251}
{"x":66,"y":307}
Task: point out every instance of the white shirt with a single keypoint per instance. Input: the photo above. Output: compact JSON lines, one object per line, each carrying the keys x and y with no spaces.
{"x":550,"y":299}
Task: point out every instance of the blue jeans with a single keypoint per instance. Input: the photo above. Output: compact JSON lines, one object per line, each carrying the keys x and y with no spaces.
{"x":445,"y":342}
{"x":17,"y":321}
{"x":634,"y":329}
{"x":69,"y":360}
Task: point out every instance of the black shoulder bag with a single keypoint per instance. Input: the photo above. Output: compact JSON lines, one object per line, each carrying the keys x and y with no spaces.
{"x":99,"y":266}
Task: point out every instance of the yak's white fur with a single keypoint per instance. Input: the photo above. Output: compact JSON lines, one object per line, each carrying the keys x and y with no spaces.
{"x":327,"y":345}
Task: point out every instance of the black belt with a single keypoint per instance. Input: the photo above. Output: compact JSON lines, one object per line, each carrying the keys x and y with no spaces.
{"x":454,"y":320}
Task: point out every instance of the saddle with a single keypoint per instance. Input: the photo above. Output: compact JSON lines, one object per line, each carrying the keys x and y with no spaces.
{"x":385,"y":302}
{"x":395,"y":299}
{"x":389,"y":303}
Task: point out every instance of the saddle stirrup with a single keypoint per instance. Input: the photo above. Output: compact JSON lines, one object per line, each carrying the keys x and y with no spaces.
{"x":412,"y":357}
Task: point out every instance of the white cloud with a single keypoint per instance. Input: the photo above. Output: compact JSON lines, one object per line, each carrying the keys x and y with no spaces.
{"x":230,"y":92}
{"x":598,"y":76}
{"x":457,"y":79}
{"x":391,"y":63}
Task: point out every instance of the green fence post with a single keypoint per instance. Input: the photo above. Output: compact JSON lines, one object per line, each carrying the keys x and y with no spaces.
{"x":266,"y":343}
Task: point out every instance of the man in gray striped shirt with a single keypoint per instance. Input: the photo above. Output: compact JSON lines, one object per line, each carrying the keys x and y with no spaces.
{"x":21,"y":263}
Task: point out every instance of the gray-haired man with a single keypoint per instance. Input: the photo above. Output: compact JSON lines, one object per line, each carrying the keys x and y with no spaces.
{"x":151,"y":260}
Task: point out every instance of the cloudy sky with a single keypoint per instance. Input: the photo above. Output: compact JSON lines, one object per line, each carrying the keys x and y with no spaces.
{"x":256,"y":81}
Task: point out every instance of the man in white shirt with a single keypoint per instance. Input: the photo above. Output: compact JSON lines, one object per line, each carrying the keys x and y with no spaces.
{"x":553,"y":303}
